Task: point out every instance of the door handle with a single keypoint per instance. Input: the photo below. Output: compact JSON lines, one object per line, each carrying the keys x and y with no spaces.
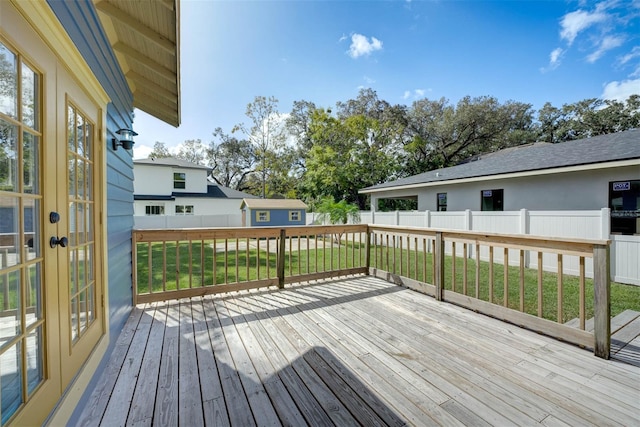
{"x":54,"y":241}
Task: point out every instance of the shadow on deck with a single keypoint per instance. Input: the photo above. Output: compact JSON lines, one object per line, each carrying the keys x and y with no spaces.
{"x":357,"y":351}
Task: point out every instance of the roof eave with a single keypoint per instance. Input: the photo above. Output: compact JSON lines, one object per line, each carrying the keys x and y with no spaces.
{"x":150,"y":58}
{"x":564,"y":169}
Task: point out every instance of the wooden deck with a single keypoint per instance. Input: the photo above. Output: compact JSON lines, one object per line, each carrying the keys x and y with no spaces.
{"x":357,"y":351}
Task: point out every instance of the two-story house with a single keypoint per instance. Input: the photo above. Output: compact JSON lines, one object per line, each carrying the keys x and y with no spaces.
{"x":170,"y":192}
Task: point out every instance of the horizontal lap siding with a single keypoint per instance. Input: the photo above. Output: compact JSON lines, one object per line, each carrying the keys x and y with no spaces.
{"x":277,"y":217}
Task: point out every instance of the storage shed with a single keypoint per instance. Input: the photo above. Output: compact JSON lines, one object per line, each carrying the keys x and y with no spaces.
{"x":273,"y":212}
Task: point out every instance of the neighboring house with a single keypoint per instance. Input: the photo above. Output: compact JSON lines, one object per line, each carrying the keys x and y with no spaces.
{"x":587,"y":174}
{"x":71,"y":73}
{"x":273,"y":212}
{"x":175,"y":187}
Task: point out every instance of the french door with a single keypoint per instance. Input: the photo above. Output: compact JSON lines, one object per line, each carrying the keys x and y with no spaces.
{"x":77,"y":188}
{"x":50,"y":191}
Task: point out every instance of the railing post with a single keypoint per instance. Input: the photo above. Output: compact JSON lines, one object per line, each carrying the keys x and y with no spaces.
{"x":280,"y":264}
{"x":439,"y":266}
{"x":4,"y":262}
{"x":602,"y":301}
{"x":367,"y":249}
{"x":134,"y":267}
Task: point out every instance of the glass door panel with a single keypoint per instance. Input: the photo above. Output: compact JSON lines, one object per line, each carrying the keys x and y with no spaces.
{"x":21,"y":283}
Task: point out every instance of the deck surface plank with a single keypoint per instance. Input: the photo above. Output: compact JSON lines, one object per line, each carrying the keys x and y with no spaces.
{"x":142,"y":403}
{"x":348,"y":352}
{"x":190,"y":411}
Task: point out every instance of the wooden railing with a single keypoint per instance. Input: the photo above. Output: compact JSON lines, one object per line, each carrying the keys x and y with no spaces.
{"x":455,"y":266}
{"x":190,"y":262}
{"x":463,"y":268}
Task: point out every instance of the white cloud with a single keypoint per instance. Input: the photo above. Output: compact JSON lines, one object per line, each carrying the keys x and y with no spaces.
{"x":635,"y":53}
{"x":554,"y":56}
{"x":606,"y":44}
{"x":620,"y":91}
{"x":415,"y":94}
{"x":362,"y":46}
{"x":141,"y":151}
{"x":574,"y":22}
{"x":554,"y":60}
{"x":369,"y":80}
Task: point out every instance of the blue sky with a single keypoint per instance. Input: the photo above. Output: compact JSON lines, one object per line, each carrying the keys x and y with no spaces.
{"x":326,"y":51}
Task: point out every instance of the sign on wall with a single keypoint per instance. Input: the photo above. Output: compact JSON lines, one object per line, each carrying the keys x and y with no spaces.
{"x":622,"y":186}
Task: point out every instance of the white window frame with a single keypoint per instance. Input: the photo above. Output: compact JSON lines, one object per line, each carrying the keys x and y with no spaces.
{"x":181,"y":179}
{"x":297,"y":214}
{"x":150,"y":208}
{"x":185,"y":210}
{"x":267,"y":216}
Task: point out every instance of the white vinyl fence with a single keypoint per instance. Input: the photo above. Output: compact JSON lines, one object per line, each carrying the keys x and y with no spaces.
{"x":625,"y":250}
{"x":186,"y":221}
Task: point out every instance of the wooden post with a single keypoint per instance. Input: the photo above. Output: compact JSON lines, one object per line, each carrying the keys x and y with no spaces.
{"x":367,"y":250}
{"x":439,"y":266}
{"x":134,"y":267}
{"x":280,"y":255}
{"x":602,"y":301}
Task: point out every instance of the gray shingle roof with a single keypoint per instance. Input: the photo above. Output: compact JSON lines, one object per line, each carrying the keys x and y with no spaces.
{"x":169,"y":161}
{"x":598,"y":149}
{"x":230,"y":193}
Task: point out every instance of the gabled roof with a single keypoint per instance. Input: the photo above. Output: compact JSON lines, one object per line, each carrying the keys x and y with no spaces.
{"x":145,"y":36}
{"x":587,"y":152}
{"x":273,"y":204}
{"x":169,"y":161}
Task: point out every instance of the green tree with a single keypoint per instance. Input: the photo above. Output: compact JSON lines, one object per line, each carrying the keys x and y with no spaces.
{"x":192,"y":150}
{"x":337,"y":212}
{"x":232,"y":160}
{"x":159,"y":151}
{"x":441,"y":134}
{"x":265,"y":133}
{"x":358,"y":147}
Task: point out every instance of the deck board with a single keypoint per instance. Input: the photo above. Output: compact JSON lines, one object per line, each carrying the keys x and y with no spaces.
{"x":357,"y":351}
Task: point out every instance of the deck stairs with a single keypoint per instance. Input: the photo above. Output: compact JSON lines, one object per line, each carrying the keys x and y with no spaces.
{"x":625,"y":336}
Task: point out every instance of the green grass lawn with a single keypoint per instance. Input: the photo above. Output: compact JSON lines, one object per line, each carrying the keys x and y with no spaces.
{"x":201,"y":257}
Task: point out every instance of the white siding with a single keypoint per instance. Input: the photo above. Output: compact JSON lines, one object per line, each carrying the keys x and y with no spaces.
{"x":158,"y":180}
{"x":581,"y":190}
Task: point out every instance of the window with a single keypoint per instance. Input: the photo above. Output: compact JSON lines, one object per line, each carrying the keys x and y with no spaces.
{"x":624,"y":202}
{"x":180,"y":180}
{"x":442,"y":202}
{"x":491,"y":200}
{"x":262,"y":216}
{"x":154,"y":210}
{"x":184,"y":210}
{"x":294,"y":215}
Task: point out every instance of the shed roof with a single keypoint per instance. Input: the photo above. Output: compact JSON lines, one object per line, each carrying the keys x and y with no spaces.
{"x":532,"y":157}
{"x":273,"y":204}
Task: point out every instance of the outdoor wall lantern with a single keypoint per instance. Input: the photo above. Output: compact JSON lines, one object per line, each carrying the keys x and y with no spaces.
{"x":126,"y":139}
